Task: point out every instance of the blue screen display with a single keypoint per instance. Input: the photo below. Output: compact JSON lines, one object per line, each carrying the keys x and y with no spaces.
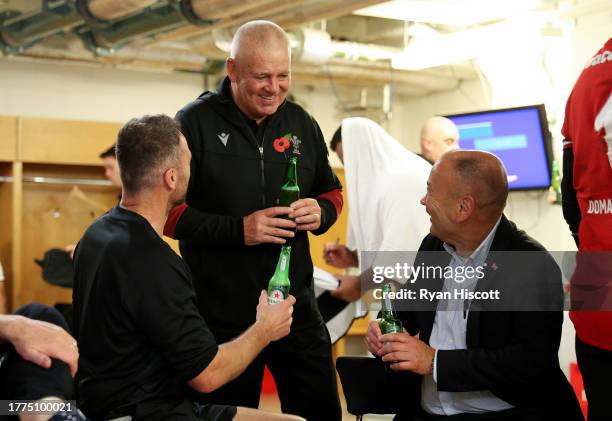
{"x":515,"y":136}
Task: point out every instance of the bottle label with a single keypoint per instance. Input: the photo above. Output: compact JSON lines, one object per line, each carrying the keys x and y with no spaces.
{"x":390,"y":326}
{"x":277,"y":295}
{"x":393,"y":328}
{"x":283,"y":264}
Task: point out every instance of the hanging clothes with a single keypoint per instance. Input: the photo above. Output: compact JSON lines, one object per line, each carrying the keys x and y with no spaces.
{"x":385,"y":183}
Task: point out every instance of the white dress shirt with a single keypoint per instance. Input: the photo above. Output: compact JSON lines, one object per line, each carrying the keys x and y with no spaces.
{"x":449,"y":332}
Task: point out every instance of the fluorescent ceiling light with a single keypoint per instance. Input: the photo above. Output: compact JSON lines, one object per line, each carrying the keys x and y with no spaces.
{"x":449,"y":12}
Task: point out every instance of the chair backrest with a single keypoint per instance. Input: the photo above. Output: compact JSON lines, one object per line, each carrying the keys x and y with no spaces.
{"x":369,"y":389}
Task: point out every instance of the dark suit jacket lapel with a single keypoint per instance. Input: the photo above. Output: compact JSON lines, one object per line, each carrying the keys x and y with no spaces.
{"x":475,"y":310}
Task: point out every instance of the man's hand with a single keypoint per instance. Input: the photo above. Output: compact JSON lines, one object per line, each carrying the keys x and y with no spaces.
{"x":263,"y":226}
{"x":306,"y":213}
{"x":408,"y":353}
{"x":373,"y":338}
{"x":348,"y":290}
{"x":340,"y":256}
{"x":275,"y":319}
{"x":37,"y":341}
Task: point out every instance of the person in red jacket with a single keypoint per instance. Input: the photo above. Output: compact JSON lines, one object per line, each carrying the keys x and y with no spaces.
{"x":587,"y":208}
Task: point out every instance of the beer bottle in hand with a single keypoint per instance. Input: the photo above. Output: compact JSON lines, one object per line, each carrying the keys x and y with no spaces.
{"x":278,"y":287}
{"x":389,"y":322}
{"x":290,"y":191}
{"x":556,"y":183}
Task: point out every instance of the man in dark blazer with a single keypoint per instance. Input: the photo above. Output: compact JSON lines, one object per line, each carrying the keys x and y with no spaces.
{"x":482,"y":359}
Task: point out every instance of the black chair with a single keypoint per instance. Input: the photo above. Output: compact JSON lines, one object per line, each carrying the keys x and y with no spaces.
{"x":369,"y":389}
{"x":58,"y":269}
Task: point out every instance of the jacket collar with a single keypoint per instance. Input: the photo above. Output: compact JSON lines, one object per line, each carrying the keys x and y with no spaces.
{"x":503,"y":236}
{"x":223,"y":102}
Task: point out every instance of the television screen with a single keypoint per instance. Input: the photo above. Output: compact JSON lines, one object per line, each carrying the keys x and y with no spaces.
{"x":518,"y":136}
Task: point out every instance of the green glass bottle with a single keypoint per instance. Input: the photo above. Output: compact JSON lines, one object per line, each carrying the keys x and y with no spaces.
{"x":278,"y":287}
{"x":556,"y":182}
{"x":290,"y":191}
{"x":389,"y":322}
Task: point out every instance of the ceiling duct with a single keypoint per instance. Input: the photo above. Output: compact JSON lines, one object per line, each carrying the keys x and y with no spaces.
{"x":159,"y":18}
{"x":220,"y":9}
{"x":20,"y":32}
{"x":104,"y":40}
{"x":310,"y":45}
{"x":101,"y":12}
{"x":315,"y":46}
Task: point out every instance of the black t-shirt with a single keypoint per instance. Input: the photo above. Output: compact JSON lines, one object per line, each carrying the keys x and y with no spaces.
{"x":140,"y":334}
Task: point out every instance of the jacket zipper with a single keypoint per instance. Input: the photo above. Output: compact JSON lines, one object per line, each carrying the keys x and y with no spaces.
{"x":263,"y":178}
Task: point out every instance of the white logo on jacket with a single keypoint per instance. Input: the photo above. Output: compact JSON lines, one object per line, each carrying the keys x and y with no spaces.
{"x":223,"y":138}
{"x":600,"y":206}
{"x":599,"y":59}
{"x":603,"y":124}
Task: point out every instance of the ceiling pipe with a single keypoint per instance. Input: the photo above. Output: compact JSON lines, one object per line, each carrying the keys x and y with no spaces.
{"x":19,"y":33}
{"x":287,"y":14}
{"x":220,"y":9}
{"x":111,"y":24}
{"x":310,"y":45}
{"x":266,"y":9}
{"x":105,"y":40}
{"x":149,"y":23}
{"x":101,"y":12}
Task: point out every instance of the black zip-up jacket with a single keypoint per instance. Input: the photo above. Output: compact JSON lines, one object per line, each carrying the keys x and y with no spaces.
{"x":231,"y":178}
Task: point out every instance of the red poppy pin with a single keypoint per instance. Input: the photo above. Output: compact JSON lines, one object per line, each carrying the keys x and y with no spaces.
{"x":281,"y":144}
{"x":285,"y":142}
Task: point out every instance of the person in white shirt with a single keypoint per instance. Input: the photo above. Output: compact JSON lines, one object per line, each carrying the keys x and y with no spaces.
{"x":384,"y":182}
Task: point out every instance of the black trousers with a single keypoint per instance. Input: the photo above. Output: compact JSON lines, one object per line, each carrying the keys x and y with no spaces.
{"x":22,"y":380}
{"x":596,"y":368}
{"x":302,"y":366}
{"x":513,"y":414}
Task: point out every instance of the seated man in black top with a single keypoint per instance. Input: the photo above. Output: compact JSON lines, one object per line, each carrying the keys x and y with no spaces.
{"x":141,"y":336}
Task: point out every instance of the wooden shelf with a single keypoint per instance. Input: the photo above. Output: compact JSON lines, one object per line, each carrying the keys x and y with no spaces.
{"x":65,"y":141}
{"x":37,"y":215}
